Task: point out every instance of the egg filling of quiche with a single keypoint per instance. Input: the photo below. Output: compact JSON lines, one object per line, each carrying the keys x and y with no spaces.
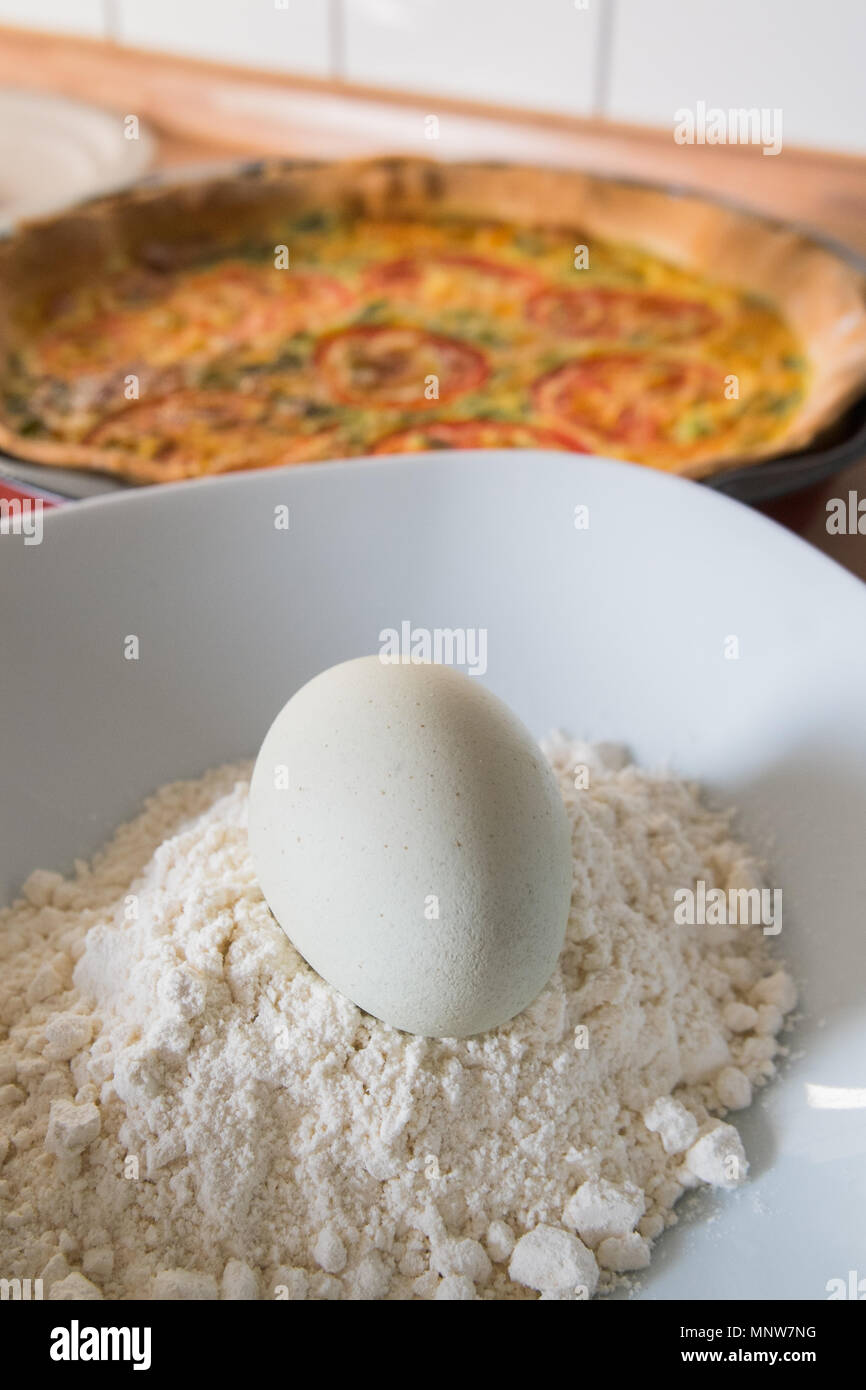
{"x":394,"y":336}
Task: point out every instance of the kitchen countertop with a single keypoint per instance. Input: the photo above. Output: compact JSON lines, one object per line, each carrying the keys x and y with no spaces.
{"x":205,"y":113}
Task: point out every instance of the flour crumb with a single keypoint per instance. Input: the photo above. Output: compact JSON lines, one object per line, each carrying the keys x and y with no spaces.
{"x":733,"y":1088}
{"x":623,"y":1253}
{"x":718,"y":1157}
{"x":599,"y":1209}
{"x":184,"y":1284}
{"x":552,"y":1260}
{"x":672,"y":1122}
{"x":329,"y":1251}
{"x":74,"y":1289}
{"x":500,"y":1241}
{"x":239,"y":1282}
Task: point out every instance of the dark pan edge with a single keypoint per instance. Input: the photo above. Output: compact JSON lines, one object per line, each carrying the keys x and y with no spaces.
{"x":793,"y":472}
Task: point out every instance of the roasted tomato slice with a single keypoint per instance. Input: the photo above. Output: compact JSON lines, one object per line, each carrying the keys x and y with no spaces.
{"x":200,"y":315}
{"x":84,"y":346}
{"x":190,"y":433}
{"x":451,"y":280}
{"x":632,"y":316}
{"x":474,"y":434}
{"x":235,"y":305}
{"x":634,"y":401}
{"x":404,"y":367}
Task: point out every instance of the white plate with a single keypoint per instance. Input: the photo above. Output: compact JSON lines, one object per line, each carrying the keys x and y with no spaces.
{"x":616,"y":632}
{"x":54,"y":151}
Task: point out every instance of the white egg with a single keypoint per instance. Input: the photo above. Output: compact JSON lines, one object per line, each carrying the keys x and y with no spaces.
{"x":411,"y":840}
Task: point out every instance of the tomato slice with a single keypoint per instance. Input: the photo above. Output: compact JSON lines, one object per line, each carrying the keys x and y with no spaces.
{"x":474,"y":434}
{"x":189,"y":433}
{"x":432,"y":277}
{"x":84,"y":346}
{"x":235,"y":305}
{"x":630,"y":400}
{"x":618,"y":315}
{"x":199,"y":316}
{"x":405,"y":367}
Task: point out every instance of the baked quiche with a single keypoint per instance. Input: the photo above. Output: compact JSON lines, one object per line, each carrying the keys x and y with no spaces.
{"x":307,"y":312}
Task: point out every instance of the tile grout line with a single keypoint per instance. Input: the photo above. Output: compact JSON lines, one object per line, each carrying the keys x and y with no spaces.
{"x":111,"y":20}
{"x":604,"y":55}
{"x":337,"y":39}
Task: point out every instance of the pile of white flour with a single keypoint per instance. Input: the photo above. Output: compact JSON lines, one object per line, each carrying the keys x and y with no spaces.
{"x":188,"y":1111}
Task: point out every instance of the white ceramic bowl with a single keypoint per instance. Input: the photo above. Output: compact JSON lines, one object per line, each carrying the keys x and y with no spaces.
{"x":614,"y":632}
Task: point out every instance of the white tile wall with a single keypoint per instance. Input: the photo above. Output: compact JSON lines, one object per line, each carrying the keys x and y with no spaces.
{"x":289,"y":35}
{"x":63,"y":16}
{"x":536,"y":53}
{"x":631,"y":60}
{"x":803,"y":56}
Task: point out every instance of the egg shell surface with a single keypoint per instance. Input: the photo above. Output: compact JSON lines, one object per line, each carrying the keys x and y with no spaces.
{"x":410,"y":838}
